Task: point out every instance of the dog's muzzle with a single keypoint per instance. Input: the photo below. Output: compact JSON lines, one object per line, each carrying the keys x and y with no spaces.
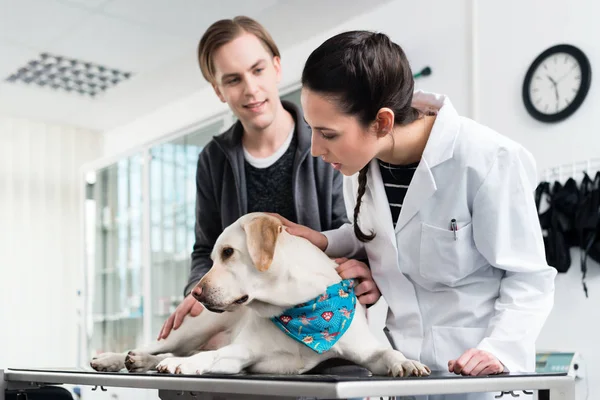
{"x":198,"y":294}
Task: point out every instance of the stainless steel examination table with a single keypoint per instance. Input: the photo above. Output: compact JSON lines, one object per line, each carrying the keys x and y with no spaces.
{"x":220,"y":387}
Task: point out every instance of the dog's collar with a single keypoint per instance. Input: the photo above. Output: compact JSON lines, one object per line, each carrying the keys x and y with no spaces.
{"x":321,"y":322}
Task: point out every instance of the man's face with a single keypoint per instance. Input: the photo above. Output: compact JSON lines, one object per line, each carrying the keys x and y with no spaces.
{"x":246,"y":78}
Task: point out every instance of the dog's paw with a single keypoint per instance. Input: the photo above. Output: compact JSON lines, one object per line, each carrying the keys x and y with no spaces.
{"x":171,"y":365}
{"x":108,"y":362}
{"x":190,"y":368}
{"x":409,"y":368}
{"x":140,"y":361}
{"x":195,"y":365}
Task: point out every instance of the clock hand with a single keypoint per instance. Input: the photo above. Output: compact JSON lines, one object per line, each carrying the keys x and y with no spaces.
{"x":551,"y":80}
{"x":566,"y":73}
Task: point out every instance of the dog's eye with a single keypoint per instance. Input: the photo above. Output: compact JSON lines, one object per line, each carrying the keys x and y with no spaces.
{"x":226,"y":252}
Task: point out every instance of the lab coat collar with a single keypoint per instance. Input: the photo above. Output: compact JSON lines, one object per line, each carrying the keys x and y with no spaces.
{"x":439,"y":148}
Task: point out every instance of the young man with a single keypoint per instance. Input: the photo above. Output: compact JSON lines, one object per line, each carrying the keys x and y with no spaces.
{"x":263,"y":162}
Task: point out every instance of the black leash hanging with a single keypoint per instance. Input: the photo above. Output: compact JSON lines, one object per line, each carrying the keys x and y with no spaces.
{"x":587,"y":220}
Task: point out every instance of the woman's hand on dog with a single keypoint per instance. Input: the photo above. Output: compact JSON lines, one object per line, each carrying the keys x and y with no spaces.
{"x":366,"y":291}
{"x":190,"y":306}
{"x":316,"y":238}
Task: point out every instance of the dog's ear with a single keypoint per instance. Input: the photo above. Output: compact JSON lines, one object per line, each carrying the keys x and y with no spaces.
{"x":261,"y":236}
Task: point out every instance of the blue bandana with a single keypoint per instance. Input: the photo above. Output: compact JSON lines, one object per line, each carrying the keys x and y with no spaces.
{"x":322,"y":321}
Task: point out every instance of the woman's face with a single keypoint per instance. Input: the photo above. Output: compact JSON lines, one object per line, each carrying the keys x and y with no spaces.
{"x":337,"y":138}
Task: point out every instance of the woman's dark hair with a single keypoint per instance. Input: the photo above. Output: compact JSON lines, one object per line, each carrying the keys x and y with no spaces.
{"x":362,"y":72}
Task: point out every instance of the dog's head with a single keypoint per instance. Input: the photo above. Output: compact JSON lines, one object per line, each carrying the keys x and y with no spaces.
{"x":243,"y":264}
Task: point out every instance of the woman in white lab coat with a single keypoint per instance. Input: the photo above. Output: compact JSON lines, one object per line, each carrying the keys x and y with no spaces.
{"x":463,"y":267}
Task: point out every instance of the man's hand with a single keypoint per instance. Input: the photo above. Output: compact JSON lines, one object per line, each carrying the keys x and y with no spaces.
{"x":475,"y":362}
{"x":190,"y":306}
{"x":316,"y":238}
{"x":366,"y":290}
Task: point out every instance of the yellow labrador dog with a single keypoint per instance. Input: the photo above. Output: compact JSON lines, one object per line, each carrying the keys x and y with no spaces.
{"x":261,"y":276}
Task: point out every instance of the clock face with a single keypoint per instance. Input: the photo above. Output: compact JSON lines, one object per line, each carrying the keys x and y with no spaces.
{"x":555,"y":83}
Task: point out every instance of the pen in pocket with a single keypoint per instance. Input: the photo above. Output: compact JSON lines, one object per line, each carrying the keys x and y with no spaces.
{"x":453,"y":227}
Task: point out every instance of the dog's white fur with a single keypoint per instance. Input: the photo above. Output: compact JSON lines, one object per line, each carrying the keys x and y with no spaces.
{"x":276,"y":271}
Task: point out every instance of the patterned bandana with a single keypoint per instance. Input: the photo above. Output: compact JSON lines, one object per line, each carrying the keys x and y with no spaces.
{"x":322,"y":321}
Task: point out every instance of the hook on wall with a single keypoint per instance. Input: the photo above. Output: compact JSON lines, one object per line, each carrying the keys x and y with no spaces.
{"x":424,"y":72}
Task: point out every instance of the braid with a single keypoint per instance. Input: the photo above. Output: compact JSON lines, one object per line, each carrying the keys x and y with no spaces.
{"x":362,"y":186}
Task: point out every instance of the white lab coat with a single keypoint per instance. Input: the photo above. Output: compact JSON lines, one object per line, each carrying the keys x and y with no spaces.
{"x":490,"y":288}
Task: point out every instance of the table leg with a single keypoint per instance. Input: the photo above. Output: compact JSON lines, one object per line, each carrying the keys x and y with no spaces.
{"x":3,"y":385}
{"x":564,"y":393}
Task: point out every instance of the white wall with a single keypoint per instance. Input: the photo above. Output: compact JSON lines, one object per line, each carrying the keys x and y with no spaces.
{"x":40,"y":263}
{"x":511,"y":35}
{"x":508,"y":35}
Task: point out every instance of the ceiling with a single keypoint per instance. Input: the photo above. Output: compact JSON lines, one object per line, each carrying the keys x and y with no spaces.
{"x":153,"y":40}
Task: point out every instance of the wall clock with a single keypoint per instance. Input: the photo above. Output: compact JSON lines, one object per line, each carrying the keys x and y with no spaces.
{"x":557,"y":83}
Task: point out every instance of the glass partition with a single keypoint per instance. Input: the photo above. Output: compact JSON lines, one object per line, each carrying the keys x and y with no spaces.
{"x":113,"y":220}
{"x":172,"y":217}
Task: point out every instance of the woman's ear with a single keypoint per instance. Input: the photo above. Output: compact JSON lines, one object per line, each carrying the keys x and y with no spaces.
{"x":384,"y":121}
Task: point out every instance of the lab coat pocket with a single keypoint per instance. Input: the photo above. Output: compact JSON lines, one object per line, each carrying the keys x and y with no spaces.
{"x":445,"y":257}
{"x":450,"y":342}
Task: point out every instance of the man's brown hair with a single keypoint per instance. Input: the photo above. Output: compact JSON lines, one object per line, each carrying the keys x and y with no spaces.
{"x":223,"y":32}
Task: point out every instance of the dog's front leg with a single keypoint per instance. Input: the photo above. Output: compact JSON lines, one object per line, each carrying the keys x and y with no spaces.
{"x":360,"y":346}
{"x":380,"y":360}
{"x":385,"y":361}
{"x":109,"y":362}
{"x":230,"y":359}
{"x":137,"y":360}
